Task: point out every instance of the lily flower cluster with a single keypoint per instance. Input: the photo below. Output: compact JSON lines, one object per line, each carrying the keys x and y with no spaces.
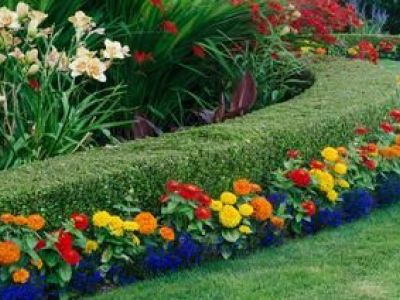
{"x":21,"y":39}
{"x":302,"y":197}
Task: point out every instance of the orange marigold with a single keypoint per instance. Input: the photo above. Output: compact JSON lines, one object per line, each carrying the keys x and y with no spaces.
{"x":7,"y":218}
{"x":20,"y":276}
{"x":20,"y":220}
{"x":242,"y":187}
{"x":9,"y":253}
{"x":167,"y":233}
{"x":278,"y":222}
{"x":147,"y":223}
{"x":255,"y":188}
{"x":36,"y":222}
{"x":262,"y":209}
{"x":342,"y":151}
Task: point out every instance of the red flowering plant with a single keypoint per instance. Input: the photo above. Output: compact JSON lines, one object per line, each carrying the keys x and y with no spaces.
{"x":186,"y":207}
{"x":19,"y":256}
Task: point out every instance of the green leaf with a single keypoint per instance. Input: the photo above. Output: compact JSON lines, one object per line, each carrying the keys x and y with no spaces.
{"x":226,"y":251}
{"x":107,"y":255}
{"x":50,"y":258}
{"x":231,"y":235}
{"x":65,"y":272}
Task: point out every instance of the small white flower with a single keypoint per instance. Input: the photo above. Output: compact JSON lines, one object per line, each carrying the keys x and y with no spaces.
{"x":33,"y":69}
{"x":82,"y":52}
{"x":32,"y":56}
{"x":17,"y":54}
{"x":78,"y":66}
{"x":53,"y":58}
{"x":9,"y":19}
{"x":3,"y":58}
{"x":37,"y":16}
{"x":22,"y":10}
{"x":114,"y":50}
{"x":81,"y":21}
{"x":95,"y":69}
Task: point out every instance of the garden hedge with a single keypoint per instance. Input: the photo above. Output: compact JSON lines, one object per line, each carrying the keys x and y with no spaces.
{"x":346,"y":94}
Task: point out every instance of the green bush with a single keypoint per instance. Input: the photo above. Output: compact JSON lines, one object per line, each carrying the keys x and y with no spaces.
{"x":346,"y":94}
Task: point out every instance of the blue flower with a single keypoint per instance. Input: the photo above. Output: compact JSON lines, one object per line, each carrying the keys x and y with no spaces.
{"x":356,"y":204}
{"x":87,"y":279}
{"x":388,"y":189}
{"x":276,"y":199}
{"x":32,"y":290}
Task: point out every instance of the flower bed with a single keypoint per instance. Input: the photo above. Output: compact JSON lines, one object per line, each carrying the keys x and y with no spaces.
{"x":341,"y":185}
{"x":248,"y":146}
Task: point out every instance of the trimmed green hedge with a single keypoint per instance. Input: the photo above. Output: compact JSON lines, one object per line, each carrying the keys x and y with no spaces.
{"x":345,"y":95}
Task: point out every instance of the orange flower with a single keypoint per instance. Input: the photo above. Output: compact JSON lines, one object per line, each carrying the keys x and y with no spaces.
{"x":278,"y":222}
{"x":20,"y":220}
{"x":342,"y":151}
{"x":167,"y":233}
{"x":20,"y":276}
{"x":7,"y":218}
{"x":387,"y":152}
{"x":35,"y":222}
{"x":242,"y":187}
{"x":255,"y":188}
{"x":9,"y":253}
{"x":147,"y":223}
{"x":262,"y":209}
{"x":320,"y":51}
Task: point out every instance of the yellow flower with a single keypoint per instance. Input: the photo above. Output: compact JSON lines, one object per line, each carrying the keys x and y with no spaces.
{"x":131,"y":226}
{"x":332,"y":195}
{"x":229,"y":216}
{"x":246,"y":210}
{"x":330,"y":154}
{"x":228,"y":198}
{"x":91,"y":246}
{"x":216,"y":205}
{"x":340,"y":168}
{"x":245,"y":229}
{"x":21,"y":276}
{"x":116,"y":223}
{"x":305,"y":50}
{"x":325,"y":180}
{"x":37,"y":263}
{"x":352,"y":51}
{"x":101,"y":219}
{"x":343,"y":183}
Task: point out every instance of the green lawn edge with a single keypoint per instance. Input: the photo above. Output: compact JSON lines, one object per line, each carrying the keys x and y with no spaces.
{"x":346,"y":94}
{"x":357,"y":261}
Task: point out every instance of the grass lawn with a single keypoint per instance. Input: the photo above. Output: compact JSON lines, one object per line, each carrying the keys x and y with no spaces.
{"x":391,"y":65}
{"x":358,"y":261}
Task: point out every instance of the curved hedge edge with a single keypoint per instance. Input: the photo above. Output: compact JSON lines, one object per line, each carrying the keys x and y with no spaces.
{"x":346,"y":94}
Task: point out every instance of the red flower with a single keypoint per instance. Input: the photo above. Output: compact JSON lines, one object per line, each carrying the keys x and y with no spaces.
{"x":81,"y":221}
{"x":64,"y":241}
{"x":34,"y":84}
{"x":361,"y":130}
{"x":172,"y":186}
{"x":157,"y":3}
{"x":309,"y":208}
{"x":71,"y":256}
{"x":198,"y":51}
{"x":386,"y":46}
{"x":204,"y":200}
{"x":40,"y":245}
{"x":276,"y":6}
{"x":202,"y":213}
{"x":300,"y":177}
{"x":141,"y":57}
{"x":386,"y":127}
{"x":395,"y":114}
{"x":293,"y":154}
{"x":316,"y":164}
{"x":369,"y":163}
{"x":170,"y":27}
{"x":189,"y":191}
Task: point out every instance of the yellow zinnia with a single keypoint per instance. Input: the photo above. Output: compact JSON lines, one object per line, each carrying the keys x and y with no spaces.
{"x":246,"y":210}
{"x":330,"y":154}
{"x":228,"y":198}
{"x":332,"y":195}
{"x":216,"y":205}
{"x":130,"y":226}
{"x":245,"y":229}
{"x":343,"y":183}
{"x":229,"y":216}
{"x":340,"y":168}
{"x":101,"y":219}
{"x":91,"y":246}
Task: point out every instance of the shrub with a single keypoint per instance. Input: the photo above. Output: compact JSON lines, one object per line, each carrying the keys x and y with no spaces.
{"x":244,"y":147}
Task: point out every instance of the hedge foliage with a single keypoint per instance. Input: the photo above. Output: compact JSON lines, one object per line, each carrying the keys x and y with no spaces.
{"x":345,"y":95}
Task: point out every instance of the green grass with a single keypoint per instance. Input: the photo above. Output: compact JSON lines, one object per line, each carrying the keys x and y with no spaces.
{"x":358,"y":261}
{"x":391,"y":65}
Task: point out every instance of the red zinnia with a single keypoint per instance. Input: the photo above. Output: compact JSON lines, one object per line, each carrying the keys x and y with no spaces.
{"x":170,"y":27}
{"x":361,"y":130}
{"x":300,"y":177}
{"x":387,"y":127}
{"x":204,"y":200}
{"x":189,"y":191}
{"x":64,"y":241}
{"x":71,"y":257}
{"x":316,"y":164}
{"x":395,"y":114}
{"x":309,"y":208}
{"x":293,"y":154}
{"x":164,"y":198}
{"x":81,"y":221}
{"x":369,"y":163}
{"x":172,"y":186}
{"x":202,"y":213}
{"x":198,"y":51}
{"x":40,"y":245}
